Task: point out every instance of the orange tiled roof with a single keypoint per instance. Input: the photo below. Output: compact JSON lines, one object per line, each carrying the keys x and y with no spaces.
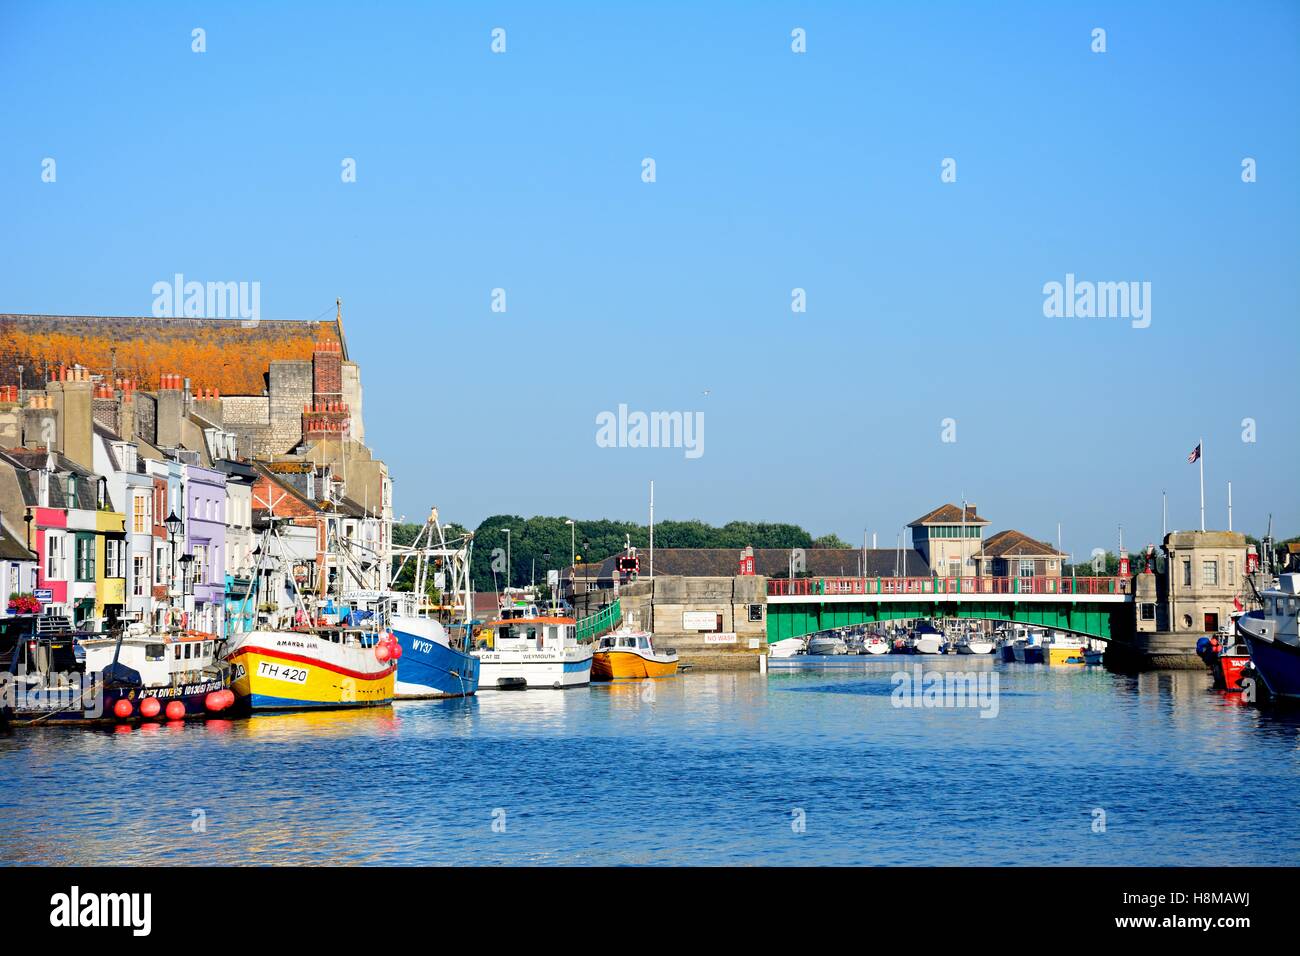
{"x":227,"y":354}
{"x":949,"y":514}
{"x":1013,"y":543}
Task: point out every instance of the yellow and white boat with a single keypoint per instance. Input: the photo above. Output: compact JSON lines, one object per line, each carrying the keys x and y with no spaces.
{"x":293,"y":670}
{"x":629,"y":654}
{"x":1062,"y":649}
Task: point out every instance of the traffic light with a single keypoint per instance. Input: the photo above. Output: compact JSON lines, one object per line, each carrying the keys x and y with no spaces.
{"x":629,"y":565}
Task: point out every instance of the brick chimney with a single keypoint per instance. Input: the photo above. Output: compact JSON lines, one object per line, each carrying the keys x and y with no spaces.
{"x":72,"y":393}
{"x":126,"y":408}
{"x":327,"y":372}
{"x":207,"y":402}
{"x":171,"y":409}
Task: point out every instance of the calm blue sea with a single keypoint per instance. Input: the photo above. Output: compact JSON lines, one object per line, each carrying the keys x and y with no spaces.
{"x":1077,"y":767}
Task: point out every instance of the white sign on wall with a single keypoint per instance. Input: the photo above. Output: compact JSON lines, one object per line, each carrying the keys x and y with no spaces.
{"x":728,"y":638}
{"x":700,"y":620}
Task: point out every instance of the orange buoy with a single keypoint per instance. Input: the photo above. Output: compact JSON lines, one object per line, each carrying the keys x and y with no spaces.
{"x":176,"y":710}
{"x":214,"y":701}
{"x":149,"y":707}
{"x":123,"y":708}
{"x":229,"y":696}
{"x":382,"y":653}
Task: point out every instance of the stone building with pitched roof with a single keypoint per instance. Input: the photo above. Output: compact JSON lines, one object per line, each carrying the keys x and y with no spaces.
{"x":948,"y":539}
{"x":1011,"y":553}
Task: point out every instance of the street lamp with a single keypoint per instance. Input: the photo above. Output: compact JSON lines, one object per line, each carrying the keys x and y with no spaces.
{"x":187,"y":582}
{"x":174,"y":527}
{"x":586,"y":575}
{"x":546,"y":565}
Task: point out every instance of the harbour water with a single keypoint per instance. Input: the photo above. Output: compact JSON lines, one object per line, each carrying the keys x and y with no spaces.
{"x":1077,"y":767}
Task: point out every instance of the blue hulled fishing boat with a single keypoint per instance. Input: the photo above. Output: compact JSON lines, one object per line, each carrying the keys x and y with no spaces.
{"x":1271,"y":635}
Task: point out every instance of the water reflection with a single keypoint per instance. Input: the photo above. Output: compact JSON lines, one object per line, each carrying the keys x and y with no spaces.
{"x":720,"y":760}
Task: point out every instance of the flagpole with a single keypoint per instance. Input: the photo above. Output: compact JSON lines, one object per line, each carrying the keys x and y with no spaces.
{"x":1201,"y":460}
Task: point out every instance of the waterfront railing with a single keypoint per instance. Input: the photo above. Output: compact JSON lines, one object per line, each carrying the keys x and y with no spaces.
{"x":603,"y":621}
{"x":781,"y":587}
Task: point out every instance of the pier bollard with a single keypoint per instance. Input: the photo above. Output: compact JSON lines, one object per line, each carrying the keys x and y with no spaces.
{"x":762,"y":663}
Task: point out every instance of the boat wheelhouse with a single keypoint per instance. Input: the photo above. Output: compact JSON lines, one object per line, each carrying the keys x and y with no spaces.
{"x":525,"y":650}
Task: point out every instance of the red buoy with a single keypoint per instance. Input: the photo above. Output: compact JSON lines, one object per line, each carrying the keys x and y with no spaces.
{"x":176,"y":710}
{"x":395,"y":651}
{"x":123,"y":708}
{"x":229,"y":696}
{"x":382,"y":653}
{"x":215,"y":701}
{"x":149,"y":707}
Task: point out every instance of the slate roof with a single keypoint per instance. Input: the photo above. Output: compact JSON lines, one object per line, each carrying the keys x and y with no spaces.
{"x":27,"y":465}
{"x":12,"y":549}
{"x":1011,"y":543}
{"x":948,"y":514}
{"x":295,"y":483}
{"x":229,"y":354}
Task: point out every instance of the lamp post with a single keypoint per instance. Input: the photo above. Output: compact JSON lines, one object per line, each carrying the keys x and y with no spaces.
{"x":546,"y":565}
{"x":586,"y":577}
{"x":174,"y":528}
{"x":507,"y":531}
{"x":187,"y":585}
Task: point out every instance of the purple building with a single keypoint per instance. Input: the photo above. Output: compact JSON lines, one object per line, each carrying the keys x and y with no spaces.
{"x":205,"y":529}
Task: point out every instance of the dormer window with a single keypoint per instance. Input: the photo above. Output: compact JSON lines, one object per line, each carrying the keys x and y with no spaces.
{"x":72,"y":491}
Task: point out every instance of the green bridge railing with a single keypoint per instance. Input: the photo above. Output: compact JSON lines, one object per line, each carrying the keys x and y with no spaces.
{"x":606,"y":619}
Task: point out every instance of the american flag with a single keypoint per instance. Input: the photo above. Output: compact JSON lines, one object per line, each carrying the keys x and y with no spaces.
{"x":1195,"y":455}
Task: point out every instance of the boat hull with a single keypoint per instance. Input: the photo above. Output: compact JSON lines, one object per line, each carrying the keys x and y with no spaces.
{"x":296,"y":672}
{"x":1062,"y":655}
{"x":1028,"y":654}
{"x":927,"y":645}
{"x":620,"y":664}
{"x":101,"y":711}
{"x":508,"y":670}
{"x":1227,"y":671}
{"x":428,"y":667}
{"x":1278,"y":665}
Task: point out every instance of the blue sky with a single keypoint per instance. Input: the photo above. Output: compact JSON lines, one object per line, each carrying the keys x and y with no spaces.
{"x":774,"y":170}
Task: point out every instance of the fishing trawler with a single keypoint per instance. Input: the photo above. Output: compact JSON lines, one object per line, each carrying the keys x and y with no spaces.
{"x":137,"y":675}
{"x":630,"y":653}
{"x":526,"y":649}
{"x":1271,"y":634}
{"x":304,"y":657}
{"x":435,"y":635}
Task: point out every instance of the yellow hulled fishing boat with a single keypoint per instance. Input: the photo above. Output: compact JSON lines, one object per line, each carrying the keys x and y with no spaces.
{"x":291,"y":670}
{"x":629,"y":654}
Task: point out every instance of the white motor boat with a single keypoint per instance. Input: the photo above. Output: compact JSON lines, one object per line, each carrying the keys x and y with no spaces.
{"x":827,"y":646}
{"x":787,"y":647}
{"x":975,"y":644}
{"x":875,"y":644}
{"x":928,"y":644}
